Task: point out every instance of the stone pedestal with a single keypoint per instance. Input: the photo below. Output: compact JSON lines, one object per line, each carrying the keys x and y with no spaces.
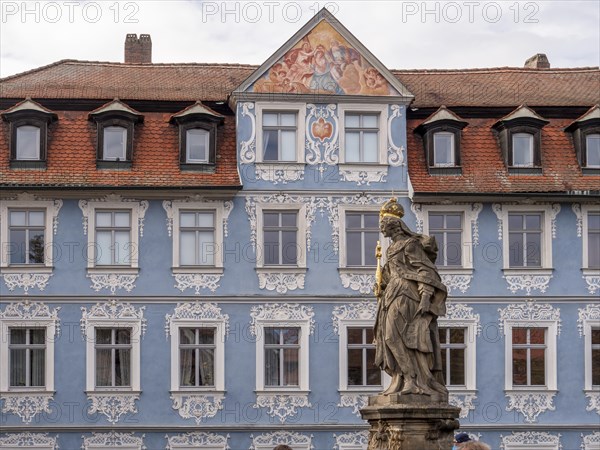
{"x":410,"y":422}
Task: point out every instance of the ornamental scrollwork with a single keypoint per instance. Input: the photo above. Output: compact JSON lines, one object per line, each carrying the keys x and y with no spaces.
{"x":530,"y":404}
{"x":281,"y":312}
{"x":529,"y":314}
{"x":112,"y":405}
{"x":26,"y":281}
{"x":590,"y":440}
{"x":590,"y":312}
{"x":282,"y":437}
{"x":395,"y":153}
{"x":363,"y":175}
{"x":197,"y":406}
{"x":357,"y":439}
{"x":32,"y":311}
{"x":461,"y":314}
{"x":113,"y":440}
{"x":197,"y":312}
{"x":366,"y":310}
{"x":112,"y":310}
{"x":26,"y":405}
{"x":527,"y":283}
{"x":593,"y":283}
{"x":197,"y":281}
{"x":576,"y":207}
{"x":197,"y":439}
{"x":530,"y":438}
{"x":455,"y":282}
{"x":463,"y":401}
{"x":282,"y":406}
{"x":322,"y":135}
{"x":593,"y":401}
{"x":28,"y":440}
{"x":361,"y":282}
{"x":354,"y":401}
{"x":112,"y":281}
{"x":281,"y":282}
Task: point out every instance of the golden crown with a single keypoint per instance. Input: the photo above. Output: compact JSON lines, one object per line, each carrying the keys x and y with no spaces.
{"x":391,"y":208}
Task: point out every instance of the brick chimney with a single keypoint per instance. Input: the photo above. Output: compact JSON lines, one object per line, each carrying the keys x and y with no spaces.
{"x":138,"y":51}
{"x":539,"y":61}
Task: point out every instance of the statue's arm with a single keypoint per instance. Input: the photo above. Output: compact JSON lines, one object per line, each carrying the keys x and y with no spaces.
{"x":417,"y":258}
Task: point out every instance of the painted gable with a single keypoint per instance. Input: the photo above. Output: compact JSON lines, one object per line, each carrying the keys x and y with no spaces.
{"x":324,"y":59}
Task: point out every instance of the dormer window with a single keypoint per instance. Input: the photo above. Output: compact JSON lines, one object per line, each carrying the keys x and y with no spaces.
{"x":198,"y":126}
{"x":441,"y":134}
{"x":520,"y":136}
{"x":115,"y":122}
{"x":28,"y":133}
{"x":586,"y":138}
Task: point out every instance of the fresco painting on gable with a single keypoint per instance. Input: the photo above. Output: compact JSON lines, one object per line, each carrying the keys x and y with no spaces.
{"x":323,"y":62}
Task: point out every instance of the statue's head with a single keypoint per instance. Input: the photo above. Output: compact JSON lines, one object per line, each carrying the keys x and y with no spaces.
{"x":391,"y":208}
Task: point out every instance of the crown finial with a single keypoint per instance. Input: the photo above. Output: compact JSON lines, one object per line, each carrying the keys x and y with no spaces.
{"x":391,"y":208}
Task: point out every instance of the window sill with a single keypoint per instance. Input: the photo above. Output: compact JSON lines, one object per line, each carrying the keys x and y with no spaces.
{"x":362,"y":270}
{"x":198,"y":167}
{"x":198,"y":391}
{"x":27,"y":268}
{"x":21,"y":164}
{"x":361,"y":390}
{"x":445,"y":270}
{"x":277,"y":165}
{"x":590,"y":171}
{"x":590,"y":272}
{"x":105,"y":270}
{"x":528,"y":271}
{"x":116,"y":165}
{"x":281,"y":269}
{"x":113,"y":391}
{"x":531,"y":390}
{"x":197,"y":269}
{"x":26,"y":392}
{"x":282,"y":391}
{"x":460,"y":390}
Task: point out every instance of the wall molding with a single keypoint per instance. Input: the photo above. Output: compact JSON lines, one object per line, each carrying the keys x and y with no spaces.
{"x":197,"y":439}
{"x":291,"y":438}
{"x":531,"y":438}
{"x":113,"y":440}
{"x":29,"y":440}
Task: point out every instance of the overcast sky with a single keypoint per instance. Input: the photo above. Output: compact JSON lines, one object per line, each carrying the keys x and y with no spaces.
{"x":402,"y":34}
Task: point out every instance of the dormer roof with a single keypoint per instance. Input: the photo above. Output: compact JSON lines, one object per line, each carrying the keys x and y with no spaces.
{"x":116,"y":107}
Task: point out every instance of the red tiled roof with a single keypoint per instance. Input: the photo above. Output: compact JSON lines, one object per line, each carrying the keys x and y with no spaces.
{"x":72,"y":157}
{"x":483,"y":169}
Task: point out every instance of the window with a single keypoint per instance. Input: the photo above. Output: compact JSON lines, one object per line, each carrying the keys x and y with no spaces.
{"x":115,"y":123}
{"x":589,"y":328}
{"x":27,"y":231}
{"x":592,"y":151}
{"x":522,"y":150}
{"x":26,"y":236}
{"x":113,"y":238}
{"x":27,"y":357}
{"x":29,"y":125}
{"x":362,"y":136}
{"x":595,"y":357}
{"x":282,"y":353}
{"x":196,"y":357}
{"x":593,"y":240}
{"x":362,"y":234}
{"x":453,"y":342}
{"x":447,"y":230}
{"x":279,"y":136}
{"x":443,"y":149}
{"x":361,"y":358}
{"x":529,"y":356}
{"x":197,"y":145}
{"x":525,"y":239}
{"x":113,"y":357}
{"x":197,"y":238}
{"x":28,"y":143}
{"x":280,"y":238}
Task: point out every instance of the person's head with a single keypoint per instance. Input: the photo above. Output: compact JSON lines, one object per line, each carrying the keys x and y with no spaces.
{"x":461,"y":439}
{"x":390,"y":219}
{"x":283,"y":447}
{"x":474,"y":445}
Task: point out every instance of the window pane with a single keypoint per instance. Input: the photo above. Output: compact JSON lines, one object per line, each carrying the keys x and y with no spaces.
{"x":436,"y":221}
{"x":593,"y":222}
{"x":369,"y":121}
{"x":122,"y":248}
{"x":288,"y":219}
{"x":103,"y":219}
{"x":353,"y":220}
{"x":270,"y":145}
{"x":538,"y":367}
{"x":457,"y":366}
{"x":17,"y":367}
{"x":355,"y":367}
{"x":369,"y":338}
{"x":37,"y":367}
{"x":36,"y":247}
{"x":187,"y":367}
{"x":353,"y":252}
{"x":288,"y":145}
{"x":592,"y":145}
{"x":196,"y":143}
{"x":205,"y":219}
{"x":457,"y":335}
{"x":355,"y":335}
{"x":370,"y":149}
{"x":17,"y":246}
{"x":271,"y":219}
{"x":288,"y":120}
{"x":373,"y":372}
{"x":453,"y":249}
{"x":352,"y":147}
{"x":187,"y":248}
{"x":103,"y":335}
{"x":18,"y":335}
{"x":442,"y":149}
{"x":289,"y":250}
{"x":123,"y":336}
{"x":533,"y":222}
{"x":272,"y":367}
{"x":290,"y":358}
{"x":272,"y":335}
{"x":206,"y":243}
{"x":594,"y":250}
{"x":519,"y":335}
{"x":187,"y":336}
{"x":271,"y":250}
{"x":291,"y":335}
{"x":595,"y":336}
{"x":522,"y":150}
{"x":515,"y":249}
{"x":443,"y":336}
{"x":122,"y":219}
{"x":28,"y":142}
{"x":38,"y":335}
{"x":122,"y":367}
{"x":36,"y":218}
{"x":103,"y":367}
{"x":519,"y":367}
{"x":206,"y":369}
{"x":515,"y":222}
{"x":371,"y":220}
{"x":187,"y":219}
{"x":370,"y":244}
{"x":537,"y":335}
{"x":206,"y":336}
{"x":596,"y":367}
{"x":17,"y":218}
{"x":114,"y":143}
{"x":534,"y":249}
{"x":270,"y":119}
{"x":352,"y":121}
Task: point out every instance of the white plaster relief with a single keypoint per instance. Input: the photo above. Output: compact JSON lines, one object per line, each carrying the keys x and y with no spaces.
{"x":360,"y":282}
{"x":26,"y":281}
{"x":197,"y":439}
{"x":357,"y":439}
{"x":112,"y":405}
{"x":113,"y":440}
{"x":226,"y":205}
{"x":139,"y":207}
{"x":576,"y":207}
{"x":590,"y":312}
{"x":198,"y":312}
{"x":281,"y":312}
{"x":593,"y":283}
{"x":248,"y":147}
{"x":593,"y":401}
{"x":197,"y":406}
{"x":112,"y":310}
{"x":471,"y":217}
{"x":51,"y":210}
{"x":365,"y":310}
{"x":529,"y":314}
{"x":498,"y":209}
{"x":26,"y":405}
{"x":279,"y":173}
{"x":395,"y":154}
{"x":455,"y":282}
{"x":29,"y":440}
{"x":282,"y":406}
{"x":282,"y":437}
{"x":463,"y":401}
{"x":462,"y":315}
{"x":112,"y":281}
{"x":590,"y":441}
{"x":281,"y":282}
{"x":32,"y":311}
{"x":363,"y":175}
{"x":197,"y":281}
{"x":354,"y":401}
{"x":319,"y":151}
{"x":530,"y":438}
{"x":527,"y":283}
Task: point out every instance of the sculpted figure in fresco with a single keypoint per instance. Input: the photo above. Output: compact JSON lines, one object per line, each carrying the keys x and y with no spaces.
{"x":410,"y":298}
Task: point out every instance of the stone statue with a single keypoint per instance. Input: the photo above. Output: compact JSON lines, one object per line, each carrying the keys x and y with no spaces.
{"x":410,"y":298}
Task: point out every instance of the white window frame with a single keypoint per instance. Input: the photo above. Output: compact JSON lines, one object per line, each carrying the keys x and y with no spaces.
{"x":217,"y":208}
{"x":531,"y":139}
{"x":296,"y":440}
{"x":357,"y":108}
{"x":585,"y":211}
{"x":303,"y":355}
{"x":90,"y":353}
{"x":190,"y":160}
{"x":300,"y":210}
{"x":300,"y":110}
{"x":551,"y":356}
{"x":587,"y":137}
{"x":113,"y":440}
{"x":343,"y":210}
{"x":587,"y":326}
{"x":132,"y":208}
{"x":530,"y":440}
{"x":50,"y":209}
{"x":452,"y":163}
{"x":467,"y":234}
{"x":124,"y":133}
{"x":219,"y":361}
{"x":546,"y":241}
{"x":470,"y":353}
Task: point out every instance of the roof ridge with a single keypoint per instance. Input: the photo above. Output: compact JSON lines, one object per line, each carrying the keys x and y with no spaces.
{"x":37,"y":69}
{"x":498,"y":69}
